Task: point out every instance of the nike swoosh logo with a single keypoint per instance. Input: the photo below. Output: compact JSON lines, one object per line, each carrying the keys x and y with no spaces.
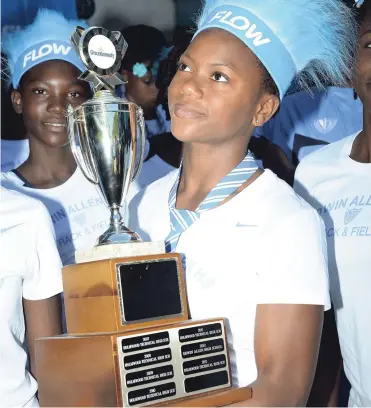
{"x":2,"y":230}
{"x":240,"y":224}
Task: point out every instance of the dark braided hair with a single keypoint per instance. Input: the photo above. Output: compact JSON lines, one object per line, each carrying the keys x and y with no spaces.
{"x":144,"y":43}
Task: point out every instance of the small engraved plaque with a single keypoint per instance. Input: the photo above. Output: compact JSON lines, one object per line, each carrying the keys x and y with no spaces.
{"x":200,"y":332}
{"x":202,"y":348}
{"x":145,"y":342}
{"x":204,"y":364}
{"x":149,"y":376}
{"x":151,"y":394}
{"x":147,"y":358}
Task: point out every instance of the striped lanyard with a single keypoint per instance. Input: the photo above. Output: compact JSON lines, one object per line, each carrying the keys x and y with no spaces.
{"x":180,"y":220}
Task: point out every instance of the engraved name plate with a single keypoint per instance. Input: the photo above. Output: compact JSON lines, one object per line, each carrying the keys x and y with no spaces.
{"x":174,"y":363}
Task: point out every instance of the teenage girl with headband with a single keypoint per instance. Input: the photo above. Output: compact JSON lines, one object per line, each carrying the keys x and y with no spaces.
{"x":253,"y":251}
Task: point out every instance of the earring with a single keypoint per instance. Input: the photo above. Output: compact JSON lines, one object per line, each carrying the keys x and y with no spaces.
{"x":257,"y":121}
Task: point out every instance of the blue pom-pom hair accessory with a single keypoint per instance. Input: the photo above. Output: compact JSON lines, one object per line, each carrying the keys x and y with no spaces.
{"x":358,"y":3}
{"x":140,"y":70}
{"x":309,"y":41}
{"x":47,"y":38}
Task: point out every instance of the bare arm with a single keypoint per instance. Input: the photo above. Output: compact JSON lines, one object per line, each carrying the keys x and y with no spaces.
{"x":325,"y":390}
{"x":43,"y":318}
{"x":287,"y":339}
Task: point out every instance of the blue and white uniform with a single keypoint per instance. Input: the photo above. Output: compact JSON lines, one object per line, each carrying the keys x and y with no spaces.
{"x":306,"y":122}
{"x":30,"y":269}
{"x":78,"y":212}
{"x":240,"y":254}
{"x":339,"y":188}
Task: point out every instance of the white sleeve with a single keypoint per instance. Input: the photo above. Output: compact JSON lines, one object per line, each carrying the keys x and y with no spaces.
{"x":294,"y":267}
{"x":44,"y":279}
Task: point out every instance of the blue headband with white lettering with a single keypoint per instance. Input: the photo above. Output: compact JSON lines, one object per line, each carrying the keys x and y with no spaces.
{"x":259,"y":38}
{"x":47,"y":38}
{"x":309,"y":41}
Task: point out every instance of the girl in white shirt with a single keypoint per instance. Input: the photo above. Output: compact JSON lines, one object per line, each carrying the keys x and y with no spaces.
{"x":30,"y":284}
{"x":253,"y":251}
{"x":336,"y":181}
{"x":44,"y":70}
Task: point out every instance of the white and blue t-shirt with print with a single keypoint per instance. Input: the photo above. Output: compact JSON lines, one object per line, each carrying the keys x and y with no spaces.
{"x":339,"y":188}
{"x":306,"y":121}
{"x":13,"y":153}
{"x":77,"y":210}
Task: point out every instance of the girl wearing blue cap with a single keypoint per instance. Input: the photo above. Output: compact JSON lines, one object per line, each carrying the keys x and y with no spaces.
{"x":253,"y":251}
{"x":44,"y":70}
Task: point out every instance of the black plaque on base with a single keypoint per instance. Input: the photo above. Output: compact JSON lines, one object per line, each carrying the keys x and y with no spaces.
{"x":175,"y":363}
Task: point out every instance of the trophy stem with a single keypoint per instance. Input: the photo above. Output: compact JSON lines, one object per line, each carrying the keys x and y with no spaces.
{"x":117,"y":233}
{"x":116,"y":217}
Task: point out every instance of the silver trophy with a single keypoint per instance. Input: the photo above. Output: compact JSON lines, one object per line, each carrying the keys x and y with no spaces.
{"x":106,"y":133}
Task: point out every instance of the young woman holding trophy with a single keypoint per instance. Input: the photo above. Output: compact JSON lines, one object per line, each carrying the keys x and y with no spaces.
{"x":44,"y":70}
{"x":253,"y":251}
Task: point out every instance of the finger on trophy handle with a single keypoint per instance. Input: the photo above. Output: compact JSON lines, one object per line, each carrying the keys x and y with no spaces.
{"x":139,"y":163}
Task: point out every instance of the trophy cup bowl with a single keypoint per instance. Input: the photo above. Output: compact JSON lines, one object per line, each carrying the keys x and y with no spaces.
{"x":107,"y":138}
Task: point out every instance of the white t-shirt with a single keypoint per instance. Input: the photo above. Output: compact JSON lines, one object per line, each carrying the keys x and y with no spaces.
{"x":265,"y":245}
{"x":152,"y":170}
{"x":78,"y":212}
{"x":30,"y":268}
{"x":13,"y":153}
{"x":306,"y":122}
{"x":340,"y":189}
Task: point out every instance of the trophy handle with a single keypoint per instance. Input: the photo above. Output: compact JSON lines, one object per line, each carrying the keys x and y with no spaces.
{"x":77,"y":149}
{"x":139,"y":164}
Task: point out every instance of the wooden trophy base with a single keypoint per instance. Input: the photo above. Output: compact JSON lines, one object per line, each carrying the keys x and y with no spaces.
{"x":183,"y":364}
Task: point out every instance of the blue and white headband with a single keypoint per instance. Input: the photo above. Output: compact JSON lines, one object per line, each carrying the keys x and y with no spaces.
{"x":44,"y":40}
{"x":311,"y":41}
